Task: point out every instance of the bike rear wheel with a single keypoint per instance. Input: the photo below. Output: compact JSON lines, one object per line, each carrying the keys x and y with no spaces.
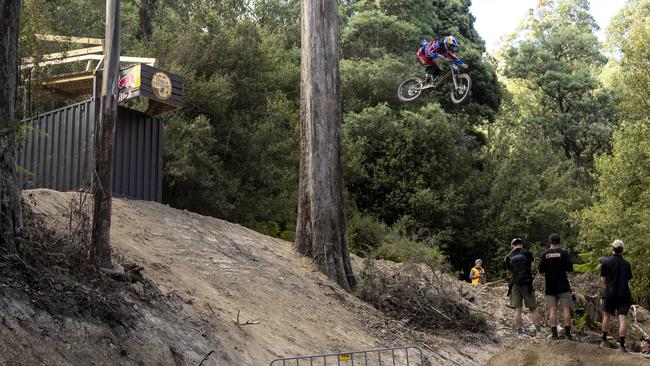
{"x":459,"y":94}
{"x":410,"y":89}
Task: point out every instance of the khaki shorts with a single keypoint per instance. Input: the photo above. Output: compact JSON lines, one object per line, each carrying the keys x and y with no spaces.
{"x":565,"y":299}
{"x":522,"y":294}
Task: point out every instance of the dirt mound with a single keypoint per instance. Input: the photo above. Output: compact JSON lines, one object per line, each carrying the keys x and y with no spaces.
{"x":207,"y":272}
{"x":561,"y":353}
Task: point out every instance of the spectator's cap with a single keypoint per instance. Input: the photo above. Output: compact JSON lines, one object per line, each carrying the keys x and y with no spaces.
{"x":618,"y":244}
{"x":516,"y":241}
{"x":478,"y":261}
{"x":554,"y":238}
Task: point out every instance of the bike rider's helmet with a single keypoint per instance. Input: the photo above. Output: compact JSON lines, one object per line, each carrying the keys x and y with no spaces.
{"x":450,"y":43}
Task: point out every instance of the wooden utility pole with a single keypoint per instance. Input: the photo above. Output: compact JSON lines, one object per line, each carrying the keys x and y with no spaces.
{"x":10,"y":212}
{"x":320,"y":231}
{"x":100,"y":254}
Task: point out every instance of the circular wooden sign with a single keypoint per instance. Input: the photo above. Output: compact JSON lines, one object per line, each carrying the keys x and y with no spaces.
{"x":161,"y":85}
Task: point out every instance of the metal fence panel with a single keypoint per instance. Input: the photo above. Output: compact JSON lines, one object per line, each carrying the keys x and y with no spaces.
{"x":394,"y":356}
{"x":57,"y":152}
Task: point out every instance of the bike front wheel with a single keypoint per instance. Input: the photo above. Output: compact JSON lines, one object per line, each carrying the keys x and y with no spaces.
{"x":410,"y":89}
{"x":460,"y":93}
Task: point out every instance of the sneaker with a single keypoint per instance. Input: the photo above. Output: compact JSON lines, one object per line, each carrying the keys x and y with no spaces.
{"x":428,"y":83}
{"x":604,"y":344}
{"x":622,"y":349}
{"x":569,"y":337}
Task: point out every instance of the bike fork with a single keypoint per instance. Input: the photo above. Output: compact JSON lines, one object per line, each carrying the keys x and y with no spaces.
{"x":453,"y":76}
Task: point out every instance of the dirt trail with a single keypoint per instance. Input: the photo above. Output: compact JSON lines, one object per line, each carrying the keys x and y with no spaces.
{"x":560,"y":353}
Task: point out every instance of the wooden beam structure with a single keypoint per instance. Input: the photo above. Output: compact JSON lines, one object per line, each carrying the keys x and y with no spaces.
{"x":124,"y":59}
{"x":68,"y":39}
{"x":65,"y":54}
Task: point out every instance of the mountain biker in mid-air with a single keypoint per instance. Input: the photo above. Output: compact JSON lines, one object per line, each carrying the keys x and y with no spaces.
{"x":444,"y":49}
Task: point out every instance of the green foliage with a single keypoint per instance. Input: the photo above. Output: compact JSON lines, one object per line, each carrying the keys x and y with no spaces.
{"x":622,"y":199}
{"x":398,"y":248}
{"x":271,"y":228}
{"x":365,"y":233}
{"x":622,"y":209}
{"x":580,"y":319}
{"x":191,"y":166}
{"x":533,"y":190}
{"x":370,"y":82}
{"x":629,"y":33}
{"x":588,"y":265}
{"x":559,"y":55}
{"x":372,"y":33}
{"x":400,"y":163}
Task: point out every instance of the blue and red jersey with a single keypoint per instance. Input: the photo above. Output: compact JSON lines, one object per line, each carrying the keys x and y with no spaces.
{"x":435,"y":49}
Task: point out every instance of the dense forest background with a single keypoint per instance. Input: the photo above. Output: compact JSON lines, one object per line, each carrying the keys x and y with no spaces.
{"x":555,"y":137}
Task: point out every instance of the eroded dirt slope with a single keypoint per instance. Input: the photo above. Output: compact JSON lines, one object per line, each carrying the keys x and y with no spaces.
{"x":208,"y":270}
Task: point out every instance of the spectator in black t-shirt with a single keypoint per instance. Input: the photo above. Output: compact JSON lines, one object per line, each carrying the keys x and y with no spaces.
{"x":554,"y":263}
{"x":615,"y":274}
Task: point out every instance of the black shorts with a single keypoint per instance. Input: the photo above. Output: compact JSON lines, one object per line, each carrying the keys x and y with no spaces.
{"x":614,"y":305}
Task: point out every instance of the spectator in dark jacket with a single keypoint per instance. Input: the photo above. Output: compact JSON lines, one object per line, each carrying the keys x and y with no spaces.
{"x":520,"y":290}
{"x":615,"y":274}
{"x":554,"y":263}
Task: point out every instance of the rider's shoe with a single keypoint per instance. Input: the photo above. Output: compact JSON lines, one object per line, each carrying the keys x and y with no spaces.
{"x":428,"y":81}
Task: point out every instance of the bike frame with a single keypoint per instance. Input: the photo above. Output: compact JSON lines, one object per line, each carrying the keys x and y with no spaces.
{"x":453,"y":70}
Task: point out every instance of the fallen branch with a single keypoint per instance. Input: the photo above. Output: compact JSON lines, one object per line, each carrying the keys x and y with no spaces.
{"x":130,"y":274}
{"x":441,"y":313}
{"x":248,"y":322}
{"x":206,"y":357}
{"x":495,"y":282}
{"x":635,"y":323}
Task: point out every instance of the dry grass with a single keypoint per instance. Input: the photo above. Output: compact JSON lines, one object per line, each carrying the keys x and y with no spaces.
{"x":53,"y":270}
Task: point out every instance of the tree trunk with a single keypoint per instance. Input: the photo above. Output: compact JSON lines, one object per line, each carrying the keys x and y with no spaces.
{"x":100,"y":254}
{"x":146,"y":13}
{"x":320,"y":231}
{"x":10,"y":214}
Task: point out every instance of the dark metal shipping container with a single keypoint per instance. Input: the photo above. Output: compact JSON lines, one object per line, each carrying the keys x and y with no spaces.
{"x":58,"y":152}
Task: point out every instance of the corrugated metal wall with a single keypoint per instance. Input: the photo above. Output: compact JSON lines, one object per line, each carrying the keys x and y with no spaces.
{"x":138,"y":156}
{"x":59,"y":148}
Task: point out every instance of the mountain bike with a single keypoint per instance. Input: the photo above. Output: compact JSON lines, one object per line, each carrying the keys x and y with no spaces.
{"x":413,"y":87}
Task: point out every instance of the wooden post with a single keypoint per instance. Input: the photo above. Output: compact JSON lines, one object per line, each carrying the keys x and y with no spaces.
{"x":10,"y":210}
{"x":100,"y":254}
{"x":320,"y":231}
